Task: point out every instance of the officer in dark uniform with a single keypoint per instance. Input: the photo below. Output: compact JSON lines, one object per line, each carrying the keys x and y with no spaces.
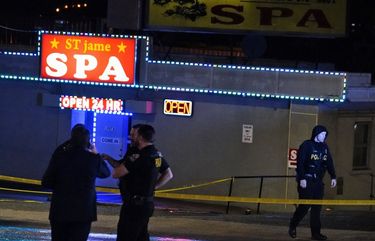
{"x":132,"y":153}
{"x":71,"y":175}
{"x":313,"y":159}
{"x":144,"y":174}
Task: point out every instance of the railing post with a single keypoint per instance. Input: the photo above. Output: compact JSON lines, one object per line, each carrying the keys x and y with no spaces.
{"x":229,"y":194}
{"x":260,"y":193}
{"x":372,"y":189}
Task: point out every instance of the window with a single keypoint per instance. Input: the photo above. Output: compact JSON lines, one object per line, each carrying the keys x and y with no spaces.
{"x":361,"y":151}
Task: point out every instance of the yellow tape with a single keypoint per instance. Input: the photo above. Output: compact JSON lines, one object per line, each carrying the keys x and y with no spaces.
{"x":193,"y":186}
{"x":166,"y":194}
{"x":20,"y":180}
{"x":26,"y":191}
{"x":264,"y":200}
{"x":49,"y":193}
{"x":111,"y":191}
{"x":25,"y":201}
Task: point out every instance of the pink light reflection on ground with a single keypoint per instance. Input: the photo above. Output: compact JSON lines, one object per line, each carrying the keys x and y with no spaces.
{"x":11,"y":233}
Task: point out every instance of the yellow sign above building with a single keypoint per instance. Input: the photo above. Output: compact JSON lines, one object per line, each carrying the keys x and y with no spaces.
{"x":308,"y":17}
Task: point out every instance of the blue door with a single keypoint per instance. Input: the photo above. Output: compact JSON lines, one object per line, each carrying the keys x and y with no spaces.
{"x":111,"y":138}
{"x":109,"y":133}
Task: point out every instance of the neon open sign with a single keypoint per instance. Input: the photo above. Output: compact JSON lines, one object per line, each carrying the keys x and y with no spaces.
{"x":91,"y":104}
{"x":178,"y":107}
{"x":92,"y":59}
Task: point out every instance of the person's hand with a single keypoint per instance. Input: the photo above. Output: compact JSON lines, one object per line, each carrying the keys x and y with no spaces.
{"x":119,"y":171}
{"x":303,"y":183}
{"x":333,"y":183}
{"x":93,"y":149}
{"x":105,"y":156}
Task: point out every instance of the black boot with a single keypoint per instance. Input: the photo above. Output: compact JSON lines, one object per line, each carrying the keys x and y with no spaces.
{"x":318,"y":236}
{"x":292,"y":231}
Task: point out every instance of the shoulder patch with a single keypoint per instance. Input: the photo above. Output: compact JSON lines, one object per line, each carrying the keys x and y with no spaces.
{"x":158,"y":162}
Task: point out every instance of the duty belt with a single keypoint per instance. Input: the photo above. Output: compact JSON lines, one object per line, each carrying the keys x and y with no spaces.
{"x":310,"y":175}
{"x":138,"y":198}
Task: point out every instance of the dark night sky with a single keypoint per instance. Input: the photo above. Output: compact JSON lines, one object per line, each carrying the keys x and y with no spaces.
{"x":37,"y":8}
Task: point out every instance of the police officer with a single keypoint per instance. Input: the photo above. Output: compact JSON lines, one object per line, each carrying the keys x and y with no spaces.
{"x":132,"y":153}
{"x":144,"y":174}
{"x":313,"y":159}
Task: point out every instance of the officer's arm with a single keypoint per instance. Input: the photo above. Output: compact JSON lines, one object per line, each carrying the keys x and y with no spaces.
{"x":111,"y":160}
{"x":301,"y":158}
{"x":103,"y":170}
{"x":164,"y":177}
{"x":120,"y":171}
{"x":49,"y":176}
{"x":302,"y":155}
{"x":330,"y":166}
{"x":331,"y":169}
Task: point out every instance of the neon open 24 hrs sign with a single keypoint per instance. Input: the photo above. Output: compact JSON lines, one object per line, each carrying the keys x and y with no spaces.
{"x":91,"y":103}
{"x":84,"y":58}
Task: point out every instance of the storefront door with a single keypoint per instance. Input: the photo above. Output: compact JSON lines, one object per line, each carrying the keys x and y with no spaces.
{"x":109,"y":133}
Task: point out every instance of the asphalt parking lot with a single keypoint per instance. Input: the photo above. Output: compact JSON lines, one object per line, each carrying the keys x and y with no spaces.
{"x":181,"y":220}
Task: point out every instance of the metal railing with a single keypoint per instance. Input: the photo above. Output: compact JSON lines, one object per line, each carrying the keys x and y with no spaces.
{"x":372,"y":189}
{"x":371,"y":196}
{"x":260,"y":186}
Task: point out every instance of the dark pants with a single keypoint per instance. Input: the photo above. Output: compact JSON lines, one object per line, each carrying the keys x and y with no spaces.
{"x":133,"y":222}
{"x":70,"y":231}
{"x":314,"y":190}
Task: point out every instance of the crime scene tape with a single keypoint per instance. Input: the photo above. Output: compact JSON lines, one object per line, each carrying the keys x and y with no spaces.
{"x":193,"y":186}
{"x":20,"y":180}
{"x":166,"y":194}
{"x":24,"y":191}
{"x":114,"y":190}
{"x":24,"y":201}
{"x":265,"y":200}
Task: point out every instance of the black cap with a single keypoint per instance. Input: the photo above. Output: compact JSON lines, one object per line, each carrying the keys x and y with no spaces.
{"x":317,"y":130}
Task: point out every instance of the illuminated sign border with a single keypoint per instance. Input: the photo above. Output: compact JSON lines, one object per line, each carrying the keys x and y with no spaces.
{"x":87,"y":58}
{"x":181,"y":89}
{"x":91,"y":102}
{"x":180,"y":101}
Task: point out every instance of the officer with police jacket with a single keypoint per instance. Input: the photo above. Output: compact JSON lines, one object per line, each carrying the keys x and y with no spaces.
{"x":144,"y":174}
{"x":132,"y":153}
{"x":313,"y":159}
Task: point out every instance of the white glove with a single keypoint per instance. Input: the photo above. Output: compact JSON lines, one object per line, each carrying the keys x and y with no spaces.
{"x":333,"y":183}
{"x":303,"y":183}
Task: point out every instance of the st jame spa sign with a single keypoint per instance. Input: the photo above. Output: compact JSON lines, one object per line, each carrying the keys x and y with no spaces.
{"x":92,"y":59}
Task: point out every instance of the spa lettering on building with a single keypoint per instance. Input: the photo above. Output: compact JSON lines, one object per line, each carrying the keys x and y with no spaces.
{"x":322,"y":17}
{"x":93,"y":59}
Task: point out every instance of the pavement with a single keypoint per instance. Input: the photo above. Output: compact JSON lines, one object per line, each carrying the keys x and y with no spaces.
{"x":182,"y":221}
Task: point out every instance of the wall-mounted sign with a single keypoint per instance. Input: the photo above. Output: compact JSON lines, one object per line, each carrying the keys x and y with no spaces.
{"x":292,"y":158}
{"x":247,"y":133}
{"x":321,"y":17}
{"x":110,"y":140}
{"x":91,"y":104}
{"x":89,"y":59}
{"x":178,"y":107}
{"x":284,"y":84}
